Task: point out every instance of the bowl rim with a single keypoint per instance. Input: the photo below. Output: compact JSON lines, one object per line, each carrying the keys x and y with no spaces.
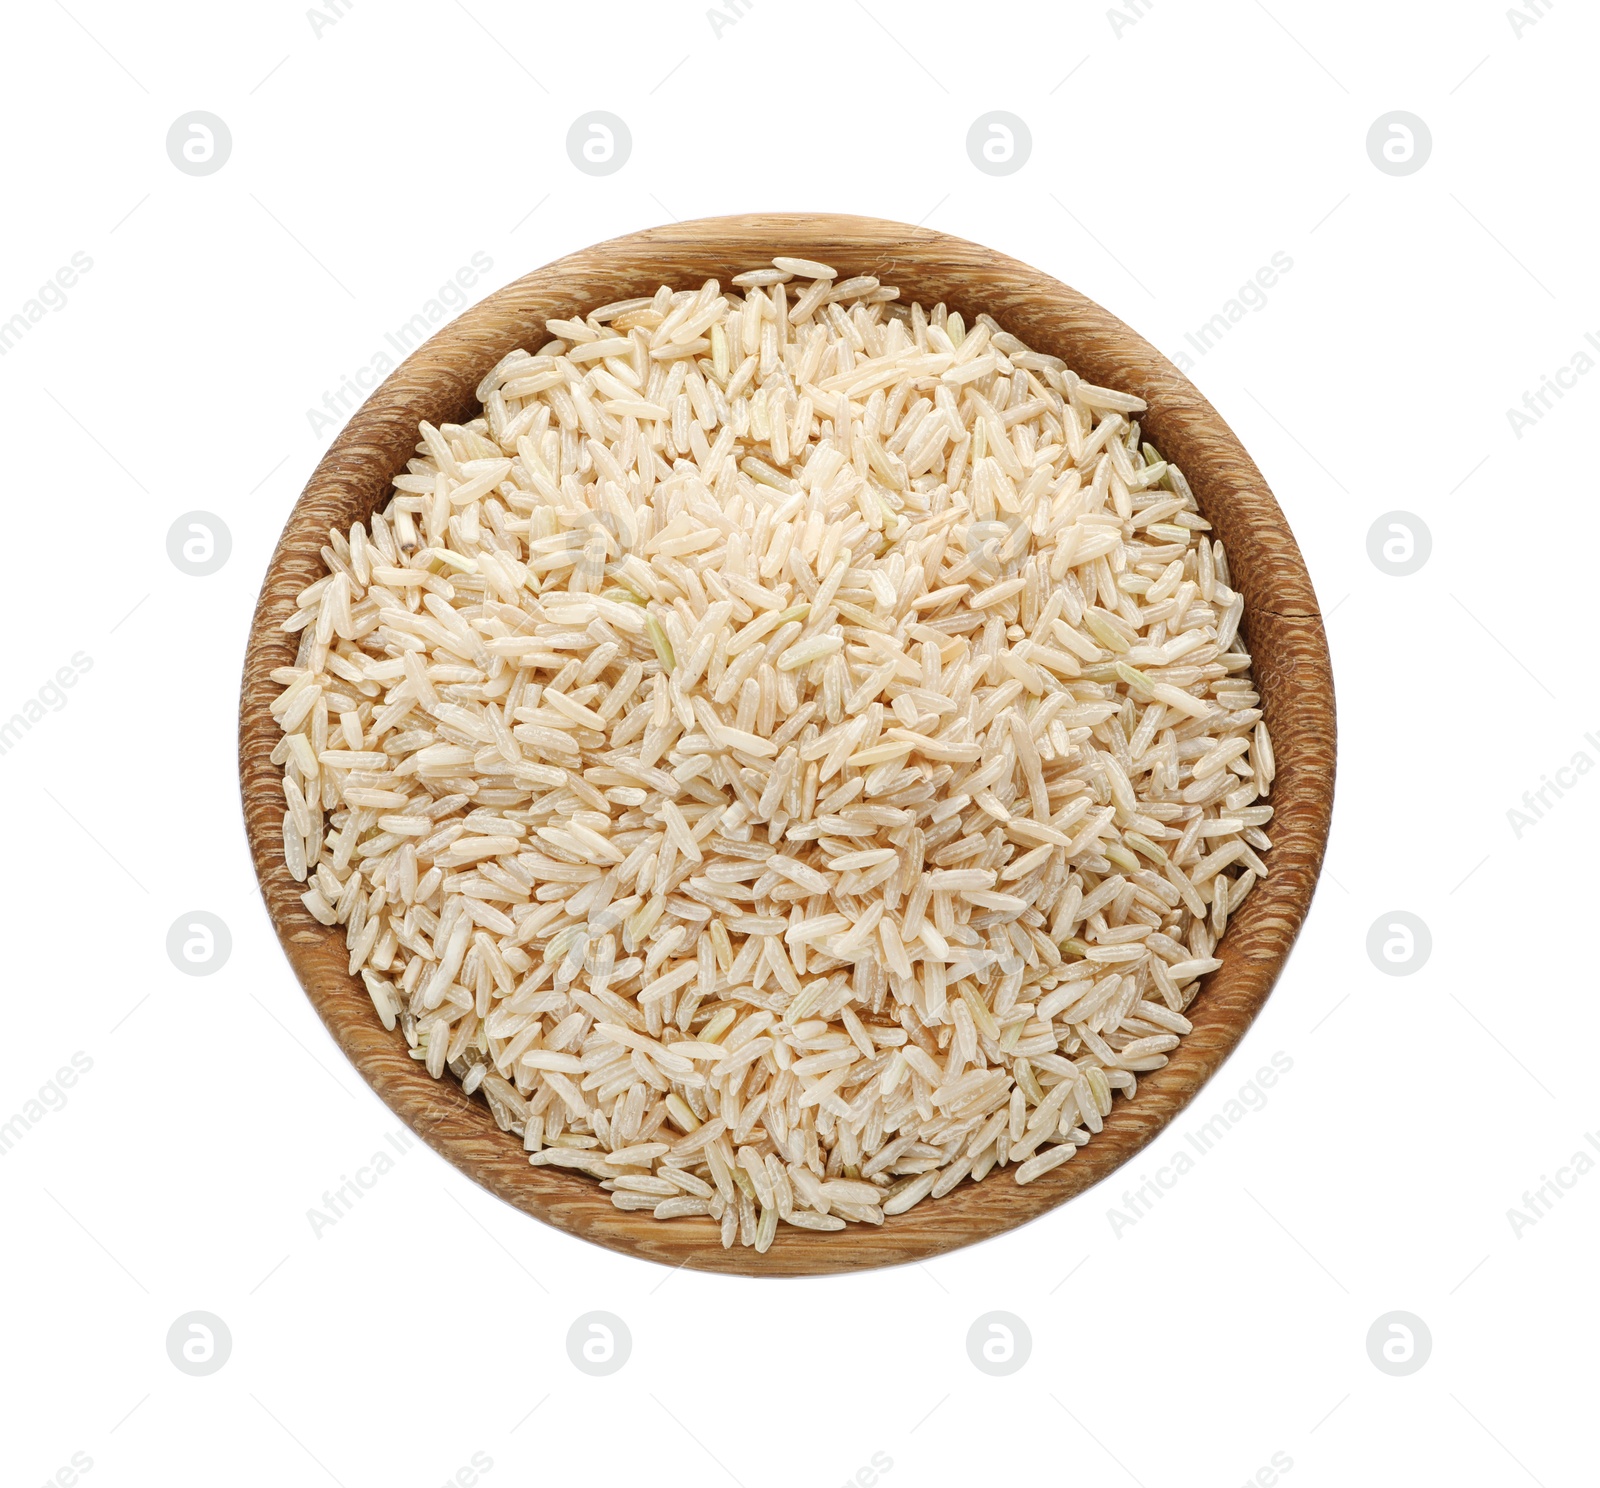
{"x":1284,"y":626}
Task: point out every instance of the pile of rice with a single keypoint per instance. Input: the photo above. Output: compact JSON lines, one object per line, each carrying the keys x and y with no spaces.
{"x":791,"y":754}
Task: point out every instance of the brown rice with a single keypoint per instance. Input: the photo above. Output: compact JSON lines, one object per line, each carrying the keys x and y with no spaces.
{"x":792,"y":753}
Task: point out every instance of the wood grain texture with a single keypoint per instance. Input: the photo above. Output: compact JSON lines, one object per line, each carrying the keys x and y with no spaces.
{"x":1282,"y":624}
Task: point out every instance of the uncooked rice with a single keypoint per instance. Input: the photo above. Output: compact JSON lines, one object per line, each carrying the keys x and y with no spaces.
{"x":792,"y":754}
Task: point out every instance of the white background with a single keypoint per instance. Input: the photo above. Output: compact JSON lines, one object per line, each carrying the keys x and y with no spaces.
{"x":1172,"y":156}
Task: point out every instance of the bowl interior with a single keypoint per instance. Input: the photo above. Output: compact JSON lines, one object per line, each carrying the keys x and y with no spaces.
{"x":1282,"y":626}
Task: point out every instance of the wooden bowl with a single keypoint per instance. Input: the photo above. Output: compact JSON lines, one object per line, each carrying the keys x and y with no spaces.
{"x":1282,"y":621}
